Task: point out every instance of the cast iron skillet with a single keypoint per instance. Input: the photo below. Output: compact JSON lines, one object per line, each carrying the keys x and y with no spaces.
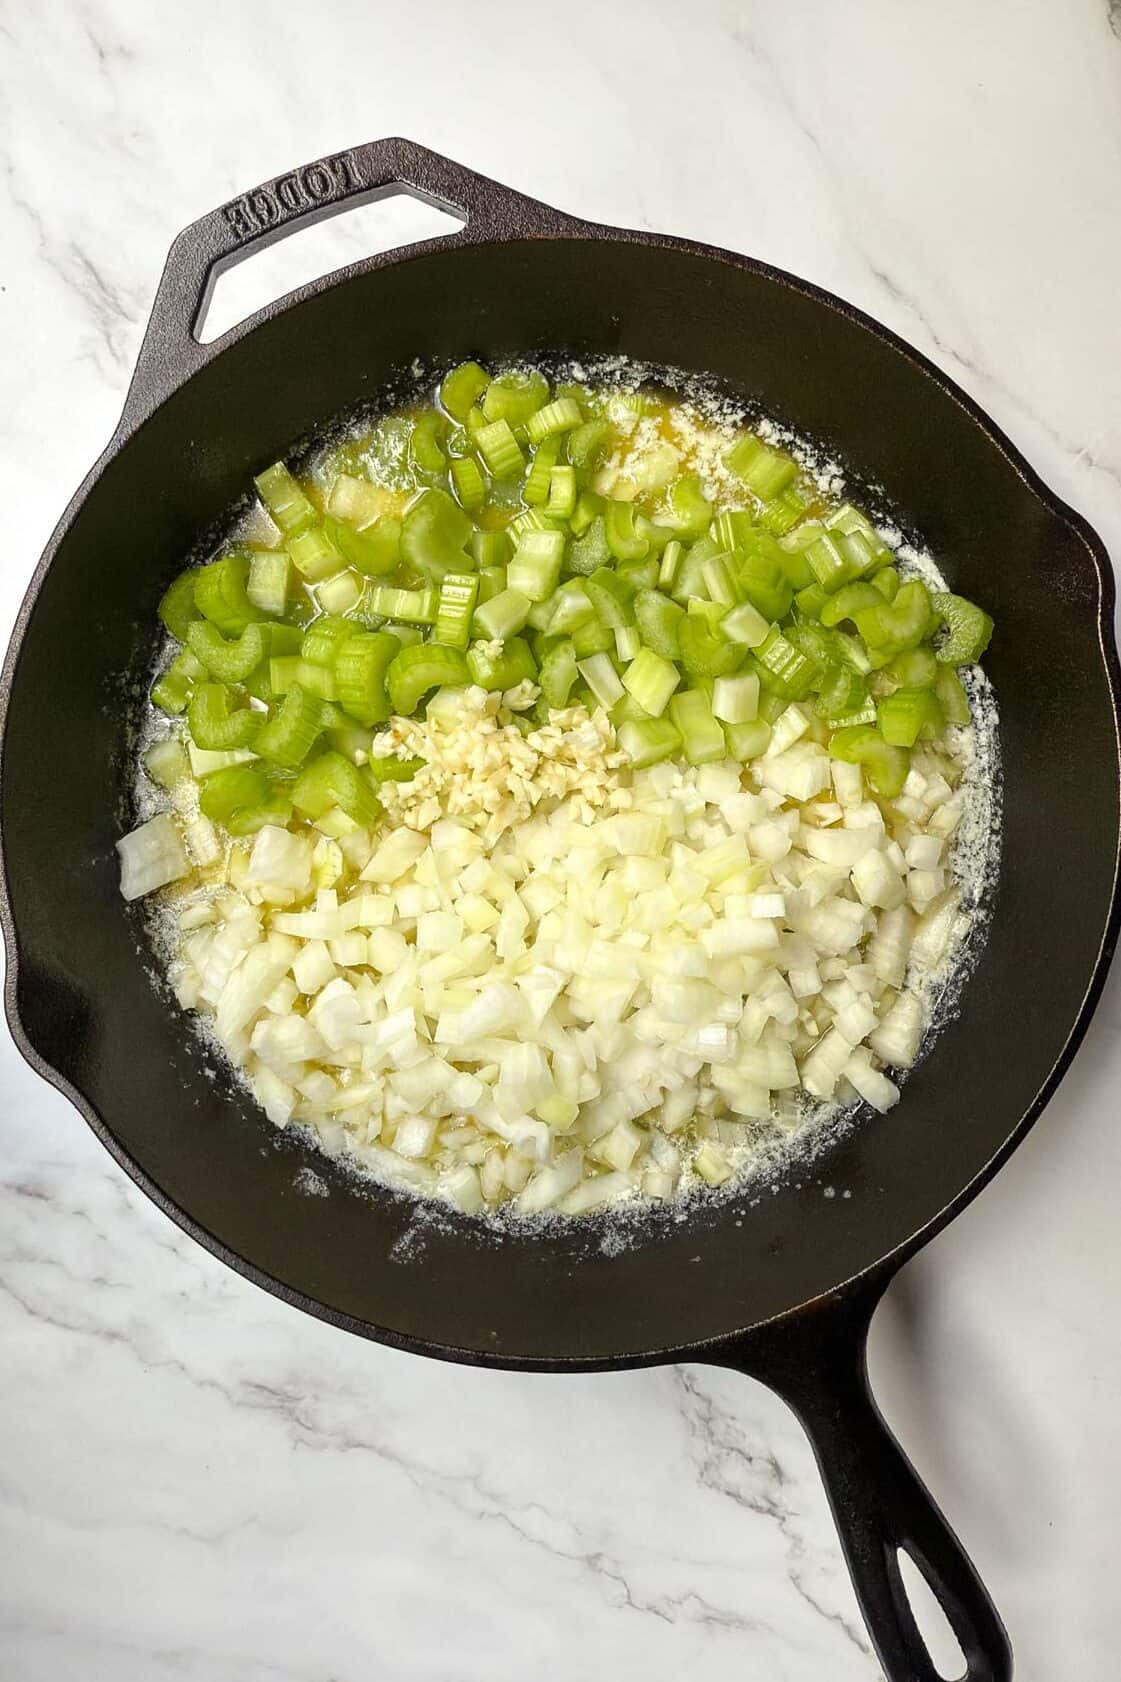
{"x":785,"y":1290}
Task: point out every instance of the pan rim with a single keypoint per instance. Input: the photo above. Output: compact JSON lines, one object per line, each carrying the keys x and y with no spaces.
{"x":565,"y":227}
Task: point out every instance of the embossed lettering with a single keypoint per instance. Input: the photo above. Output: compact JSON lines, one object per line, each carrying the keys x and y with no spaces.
{"x":263,"y":208}
{"x":237,"y":215}
{"x":288,"y":191}
{"x":316,"y":182}
{"x":289,"y":195}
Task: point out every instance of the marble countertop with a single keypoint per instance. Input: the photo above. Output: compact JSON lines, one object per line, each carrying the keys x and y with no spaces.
{"x":197,"y":1482}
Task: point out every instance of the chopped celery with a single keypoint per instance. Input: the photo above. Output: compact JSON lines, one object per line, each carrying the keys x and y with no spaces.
{"x":177,"y":606}
{"x":539,"y":478}
{"x":284,"y":499}
{"x":462,"y":387}
{"x":908,"y":714}
{"x":735,"y":700}
{"x":414,"y":671}
{"x":340,"y":594}
{"x":602,"y":679}
{"x":215,"y":723}
{"x":535,"y":564}
{"x":562,"y":493}
{"x":220,"y":594}
{"x":415,"y":607}
{"x":502,"y":616}
{"x":500,"y":449}
{"x":323,"y":638}
{"x":314,"y":553}
{"x":559,"y":416}
{"x":591,"y":550}
{"x":470,"y":486}
{"x":514,"y":397}
{"x":433,"y":535}
{"x":690,"y":509}
{"x":226,"y":792}
{"x":361,"y":663}
{"x":558,"y":673}
{"x":373,"y":551}
{"x":456,"y":604}
{"x":625,"y":542}
{"x":765,"y":471}
{"x":332,"y":780}
{"x":658,"y":619}
{"x":970,"y":628}
{"x":746,"y":625}
{"x":426,"y":444}
{"x":589,"y":507}
{"x":490,"y":549}
{"x":267,"y":587}
{"x":229,"y":662}
{"x":705,"y":652}
{"x":651,"y":679}
{"x":650,"y":741}
{"x":955,"y":702}
{"x":701,"y":735}
{"x":287,"y":738}
{"x":589,"y":444}
{"x":503,"y":671}
{"x":885,"y":765}
{"x":747,"y":741}
{"x":611,"y":597}
{"x":569,"y":606}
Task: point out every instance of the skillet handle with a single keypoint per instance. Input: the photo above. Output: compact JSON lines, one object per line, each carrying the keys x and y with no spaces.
{"x":817,"y":1362}
{"x":379,"y":169}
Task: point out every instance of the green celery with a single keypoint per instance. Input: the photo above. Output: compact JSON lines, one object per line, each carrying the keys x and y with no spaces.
{"x":651,"y":679}
{"x":373,"y":551}
{"x":177,"y":607}
{"x":332,"y":780}
{"x":270,"y":573}
{"x":623,"y":540}
{"x":228,"y":662}
{"x":501,"y":617}
{"x":215,"y":723}
{"x":284,"y":499}
{"x":416,"y":670}
{"x":650,"y":741}
{"x":701,"y":735}
{"x":969,"y":626}
{"x":562,"y":493}
{"x":658,"y":619}
{"x":433,"y":535}
{"x":561,"y":415}
{"x":589,"y":444}
{"x":611,"y":598}
{"x":226,"y":792}
{"x":765,"y":471}
{"x":690,"y":509}
{"x":414,"y":607}
{"x":535,"y":491}
{"x":220,"y":594}
{"x":287,"y":737}
{"x":470,"y":487}
{"x":361,"y":662}
{"x":589,"y":507}
{"x":886,"y":766}
{"x":503,"y":671}
{"x":558,"y":673}
{"x":704,"y":652}
{"x":500,"y":449}
{"x":458,"y":594}
{"x":427,"y":440}
{"x":461,"y":387}
{"x":315,"y":554}
{"x":907,"y":714}
{"x":535,"y":566}
{"x":490,"y":549}
{"x":954,"y":700}
{"x":747,"y":741}
{"x":513,"y":397}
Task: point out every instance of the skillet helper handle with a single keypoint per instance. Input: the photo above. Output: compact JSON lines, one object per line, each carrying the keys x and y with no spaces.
{"x":817,"y":1363}
{"x":171,"y":350}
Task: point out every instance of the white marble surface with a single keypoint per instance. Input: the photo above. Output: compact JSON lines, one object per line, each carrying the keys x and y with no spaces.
{"x":197,"y":1482}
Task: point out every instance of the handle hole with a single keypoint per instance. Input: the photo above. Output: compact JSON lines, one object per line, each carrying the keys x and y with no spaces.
{"x":935,"y":1628}
{"x":295,"y":259}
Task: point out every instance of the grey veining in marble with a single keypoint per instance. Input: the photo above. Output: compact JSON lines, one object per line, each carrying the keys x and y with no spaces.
{"x":195,"y":1481}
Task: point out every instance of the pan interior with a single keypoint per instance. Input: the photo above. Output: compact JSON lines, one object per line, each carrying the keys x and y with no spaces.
{"x":83,"y":991}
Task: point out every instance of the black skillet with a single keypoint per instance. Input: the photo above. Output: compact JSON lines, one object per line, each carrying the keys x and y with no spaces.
{"x":785,"y":1290}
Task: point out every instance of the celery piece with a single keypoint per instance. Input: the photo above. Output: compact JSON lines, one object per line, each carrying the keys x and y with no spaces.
{"x":470,"y":487}
{"x":735,"y":700}
{"x":705,"y":652}
{"x":955,"y":702}
{"x":592,"y":637}
{"x":590,"y":551}
{"x":562,"y":493}
{"x":166,"y":762}
{"x":907,"y":714}
{"x":490,"y":549}
{"x":415,"y":607}
{"x":270,"y":573}
{"x":649,"y":741}
{"x":783,"y":668}
{"x":589,"y":507}
{"x":747,"y":741}
{"x":746,"y":625}
{"x":284,"y":499}
{"x":570,"y":606}
{"x":220,"y":594}
{"x":427,"y":440}
{"x":500,"y":450}
{"x":558,"y":673}
{"x":658,"y":619}
{"x":589,"y":443}
{"x":433,"y":535}
{"x":535,"y":566}
{"x":288,"y":736}
{"x":501,"y":617}
{"x":323,"y":638}
{"x":314,"y":553}
{"x":970,"y":628}
{"x":916,"y":669}
{"x":503,"y":671}
{"x":361,"y":662}
{"x":886,"y":766}
{"x":535,"y":491}
{"x":373,"y":551}
{"x":602,"y":679}
{"x":215,"y":723}
{"x":229,"y":662}
{"x":611,"y":598}
{"x":458,"y":594}
{"x":690,"y":509}
{"x":625,"y":542}
{"x":416,"y":670}
{"x":701,"y":735}
{"x":559,"y":416}
{"x":513,"y":397}
{"x":894,"y":627}
{"x":177,"y":606}
{"x":225,"y":792}
{"x":843,"y":692}
{"x":850,"y":600}
{"x":651,"y":679}
{"x":332,"y":780}
{"x":461,"y":387}
{"x":765,"y":471}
